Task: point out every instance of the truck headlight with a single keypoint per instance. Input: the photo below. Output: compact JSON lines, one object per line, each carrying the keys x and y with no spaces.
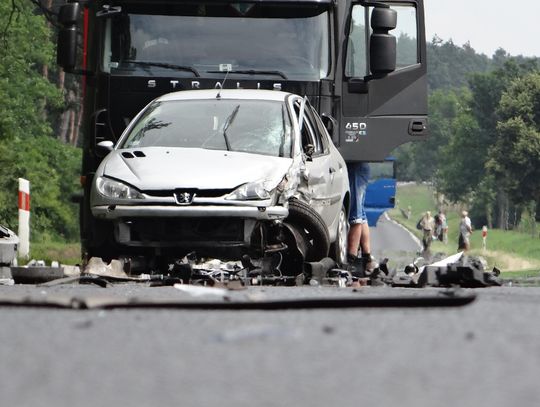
{"x":115,"y":189}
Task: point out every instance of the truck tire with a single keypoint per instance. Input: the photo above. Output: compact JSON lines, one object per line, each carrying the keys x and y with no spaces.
{"x":302,"y":216}
{"x":338,"y":249}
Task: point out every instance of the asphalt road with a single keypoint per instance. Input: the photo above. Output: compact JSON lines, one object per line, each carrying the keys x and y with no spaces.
{"x":483,"y":354}
{"x":391,"y":240}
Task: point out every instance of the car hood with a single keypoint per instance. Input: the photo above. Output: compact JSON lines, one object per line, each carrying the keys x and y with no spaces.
{"x":164,"y":168}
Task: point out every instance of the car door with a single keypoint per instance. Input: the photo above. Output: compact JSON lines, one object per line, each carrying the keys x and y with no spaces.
{"x":322,"y":168}
{"x":336,"y":167}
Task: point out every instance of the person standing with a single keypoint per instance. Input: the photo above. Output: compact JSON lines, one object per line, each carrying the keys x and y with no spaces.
{"x":358,"y":241}
{"x":441,"y":227}
{"x":427,"y":224}
{"x":465,"y":230}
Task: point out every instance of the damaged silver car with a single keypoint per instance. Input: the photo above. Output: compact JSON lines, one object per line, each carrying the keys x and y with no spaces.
{"x":225,"y":173}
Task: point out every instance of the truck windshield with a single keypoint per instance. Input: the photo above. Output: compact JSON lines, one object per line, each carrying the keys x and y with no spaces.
{"x":251,"y":126}
{"x":289,"y":41}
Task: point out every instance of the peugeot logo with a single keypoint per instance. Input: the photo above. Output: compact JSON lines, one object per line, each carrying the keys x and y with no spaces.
{"x":184,"y":198}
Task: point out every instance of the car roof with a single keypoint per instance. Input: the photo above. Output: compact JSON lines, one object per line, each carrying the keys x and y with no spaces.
{"x":237,"y":94}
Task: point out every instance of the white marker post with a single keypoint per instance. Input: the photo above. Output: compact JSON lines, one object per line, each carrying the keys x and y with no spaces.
{"x":24,"y":218}
{"x":484,"y":237}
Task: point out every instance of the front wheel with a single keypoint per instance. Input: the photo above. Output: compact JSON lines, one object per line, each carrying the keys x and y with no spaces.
{"x":338,"y":250}
{"x":312,"y":228}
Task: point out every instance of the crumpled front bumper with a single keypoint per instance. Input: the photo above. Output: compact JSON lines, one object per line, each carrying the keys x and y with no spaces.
{"x":193,"y":211}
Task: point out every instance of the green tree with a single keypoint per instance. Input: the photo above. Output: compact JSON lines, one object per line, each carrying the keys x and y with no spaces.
{"x":420,"y":161}
{"x":449,"y":65}
{"x":462,"y":173}
{"x":28,"y":146}
{"x":25,"y":48}
{"x":50,"y":166}
{"x":514,"y":159}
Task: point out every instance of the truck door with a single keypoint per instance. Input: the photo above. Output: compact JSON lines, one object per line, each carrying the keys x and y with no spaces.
{"x":381,"y":110}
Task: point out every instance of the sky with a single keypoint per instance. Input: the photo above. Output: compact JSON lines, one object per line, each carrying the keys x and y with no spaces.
{"x":486,"y":24}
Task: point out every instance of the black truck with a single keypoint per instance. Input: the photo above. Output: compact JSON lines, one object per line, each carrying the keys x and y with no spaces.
{"x":361,"y":64}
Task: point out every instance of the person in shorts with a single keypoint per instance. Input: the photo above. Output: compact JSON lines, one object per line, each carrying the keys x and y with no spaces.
{"x":358,"y":244}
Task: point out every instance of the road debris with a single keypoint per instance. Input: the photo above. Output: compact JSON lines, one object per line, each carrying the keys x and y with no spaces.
{"x":457,"y":270}
{"x":225,"y":303}
{"x":8,"y":252}
{"x":98,"y":267}
{"x":201,"y":291}
{"x":36,"y":272}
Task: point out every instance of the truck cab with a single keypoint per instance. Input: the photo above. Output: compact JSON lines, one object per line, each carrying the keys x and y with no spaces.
{"x":361,"y":64}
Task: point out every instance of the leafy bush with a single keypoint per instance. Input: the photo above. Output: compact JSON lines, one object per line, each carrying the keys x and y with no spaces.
{"x":52,"y":168}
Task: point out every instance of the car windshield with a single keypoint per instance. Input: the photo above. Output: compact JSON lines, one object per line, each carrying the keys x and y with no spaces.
{"x":251,"y":126}
{"x":288,"y":41}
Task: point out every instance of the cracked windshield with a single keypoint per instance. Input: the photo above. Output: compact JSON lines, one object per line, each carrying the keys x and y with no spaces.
{"x":260,"y":127}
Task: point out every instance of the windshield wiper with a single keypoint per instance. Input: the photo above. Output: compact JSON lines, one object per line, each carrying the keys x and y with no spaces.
{"x":254,"y":72}
{"x":165,"y":65}
{"x":228,"y":122}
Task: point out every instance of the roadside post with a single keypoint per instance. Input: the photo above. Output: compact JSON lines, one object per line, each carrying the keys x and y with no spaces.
{"x":24,"y":218}
{"x":484,"y":237}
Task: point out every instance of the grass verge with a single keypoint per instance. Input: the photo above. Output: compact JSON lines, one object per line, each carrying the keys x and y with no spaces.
{"x":63,"y":252}
{"x":507,"y":250}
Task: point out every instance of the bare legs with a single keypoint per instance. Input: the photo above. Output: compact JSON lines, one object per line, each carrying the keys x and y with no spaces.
{"x":358,"y":239}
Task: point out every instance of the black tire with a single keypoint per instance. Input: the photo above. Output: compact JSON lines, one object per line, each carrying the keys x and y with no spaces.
{"x":338,"y":249}
{"x":302,"y":216}
{"x":100,"y":241}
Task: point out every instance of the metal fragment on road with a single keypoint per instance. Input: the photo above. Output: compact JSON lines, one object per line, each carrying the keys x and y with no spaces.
{"x":200,"y":291}
{"x":100,"y":302}
{"x":35,"y":274}
{"x":98,"y":267}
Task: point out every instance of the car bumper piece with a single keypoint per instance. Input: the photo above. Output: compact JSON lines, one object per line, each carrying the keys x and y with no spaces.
{"x":246,"y":212}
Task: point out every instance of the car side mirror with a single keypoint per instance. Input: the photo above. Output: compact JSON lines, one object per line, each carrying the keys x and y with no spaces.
{"x":104,"y":147}
{"x":66,"y":55}
{"x":382,"y":45}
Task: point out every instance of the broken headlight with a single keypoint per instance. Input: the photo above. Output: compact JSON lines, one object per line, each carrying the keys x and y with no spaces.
{"x":114,"y":189}
{"x":250,"y":192}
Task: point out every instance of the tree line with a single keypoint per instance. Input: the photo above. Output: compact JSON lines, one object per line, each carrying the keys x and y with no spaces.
{"x":484,"y":150}
{"x":38,"y":122}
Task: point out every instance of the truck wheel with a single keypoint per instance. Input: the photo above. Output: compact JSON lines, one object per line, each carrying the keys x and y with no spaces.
{"x":338,"y":250}
{"x":100,"y":243}
{"x":309,"y":221}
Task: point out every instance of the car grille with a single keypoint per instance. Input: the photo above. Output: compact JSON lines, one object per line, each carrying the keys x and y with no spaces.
{"x":186,"y":230}
{"x":200,"y":193}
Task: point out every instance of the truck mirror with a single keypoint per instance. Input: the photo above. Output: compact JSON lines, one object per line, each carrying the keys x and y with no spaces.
{"x":66,"y":52}
{"x":68,"y":14}
{"x":382,"y":48}
{"x":66,"y":55}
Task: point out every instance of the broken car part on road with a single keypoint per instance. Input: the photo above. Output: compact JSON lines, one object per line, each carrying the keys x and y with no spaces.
{"x":445,"y":299}
{"x":8,"y":251}
{"x":455,"y":271}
